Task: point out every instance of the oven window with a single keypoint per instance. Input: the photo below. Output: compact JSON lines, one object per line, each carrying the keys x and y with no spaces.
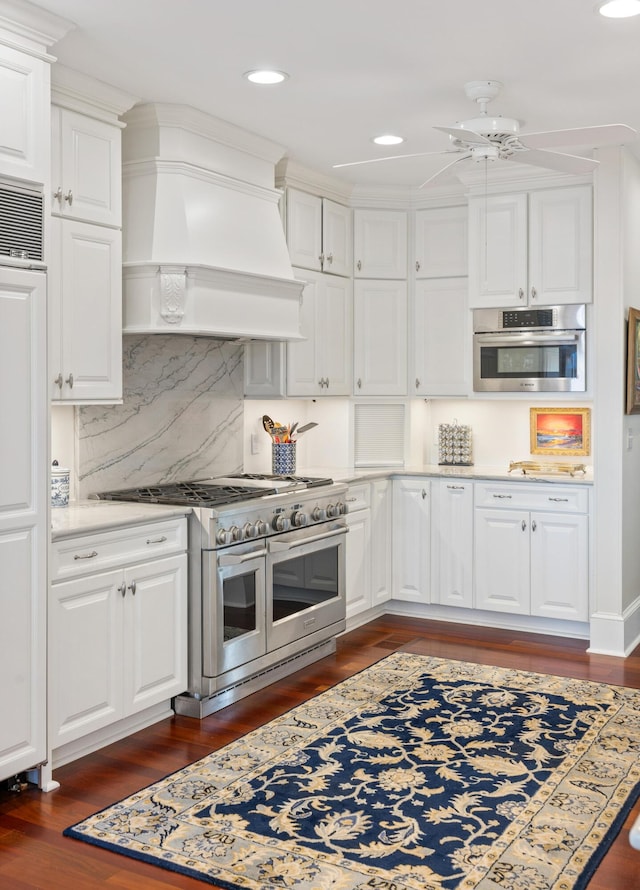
{"x":304,"y":581}
{"x":529,"y":361}
{"x":239,"y":605}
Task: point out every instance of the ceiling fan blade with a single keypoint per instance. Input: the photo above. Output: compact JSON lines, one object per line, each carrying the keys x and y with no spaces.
{"x":444,"y":169}
{"x":420,"y":154}
{"x":464,"y":135}
{"x":554,"y":160}
{"x":609,"y":134}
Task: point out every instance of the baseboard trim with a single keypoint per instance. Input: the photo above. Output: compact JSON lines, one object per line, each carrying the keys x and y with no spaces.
{"x":616,"y":634}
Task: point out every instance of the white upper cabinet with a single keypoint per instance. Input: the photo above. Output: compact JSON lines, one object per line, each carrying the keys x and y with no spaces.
{"x":380,"y":244}
{"x":319,"y":235}
{"x":441,"y":332}
{"x":85,"y":168}
{"x":380,"y":338}
{"x":24,"y":87}
{"x":441,"y":249}
{"x":531,"y":249}
{"x":321,"y":364}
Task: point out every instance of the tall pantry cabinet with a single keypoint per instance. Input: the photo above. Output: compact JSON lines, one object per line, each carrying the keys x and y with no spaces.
{"x":24,"y":449}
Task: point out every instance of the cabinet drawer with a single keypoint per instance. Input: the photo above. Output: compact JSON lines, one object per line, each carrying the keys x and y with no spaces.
{"x":358,"y":497}
{"x":85,"y":554}
{"x":532,"y":496}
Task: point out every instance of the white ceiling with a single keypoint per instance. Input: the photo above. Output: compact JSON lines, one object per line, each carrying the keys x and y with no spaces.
{"x":361,"y":67}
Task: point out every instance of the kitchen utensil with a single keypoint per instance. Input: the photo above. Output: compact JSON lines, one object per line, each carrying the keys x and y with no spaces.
{"x":268,"y":424}
{"x":294,"y":427}
{"x":307,"y":426}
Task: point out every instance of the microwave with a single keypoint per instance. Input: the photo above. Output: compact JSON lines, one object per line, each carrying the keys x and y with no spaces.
{"x":529,"y":350}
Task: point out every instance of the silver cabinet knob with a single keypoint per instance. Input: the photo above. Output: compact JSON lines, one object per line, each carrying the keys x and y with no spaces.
{"x":424,"y":494}
{"x":521,"y":294}
{"x":122,"y":588}
{"x":359,"y":265}
{"x":329,"y":258}
{"x":69,"y":197}
{"x":58,"y":380}
{"x":534,"y":293}
{"x":524,"y":525}
{"x":359,"y":382}
{"x":132,"y":587}
{"x":417,"y":383}
{"x":69,"y":381}
{"x":417,"y":265}
{"x":57,"y":195}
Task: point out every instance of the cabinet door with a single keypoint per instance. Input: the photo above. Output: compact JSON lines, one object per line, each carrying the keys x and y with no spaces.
{"x":498,"y":251}
{"x":85,"y":656}
{"x":155,"y":632}
{"x":304,"y":229}
{"x":86,"y":168}
{"x":441,"y":236}
{"x":411,"y":541}
{"x":337,"y":238}
{"x":559,"y":566}
{"x":560,"y":245}
{"x":452,"y":543}
{"x":24,"y":528}
{"x":380,"y":548}
{"x":380,"y":244}
{"x":24,"y":87}
{"x":380,"y":338}
{"x":358,"y":564}
{"x":264,"y":369}
{"x":303,"y":360}
{"x":501,"y":551}
{"x":86,"y":301}
{"x":442,"y":338}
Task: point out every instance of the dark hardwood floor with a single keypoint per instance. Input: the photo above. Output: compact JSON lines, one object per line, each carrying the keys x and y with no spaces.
{"x":33,"y":852}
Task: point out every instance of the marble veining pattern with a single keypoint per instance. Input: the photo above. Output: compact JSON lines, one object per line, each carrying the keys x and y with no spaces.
{"x":181,"y":417}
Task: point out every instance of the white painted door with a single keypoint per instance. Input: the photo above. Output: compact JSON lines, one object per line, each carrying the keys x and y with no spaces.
{"x":24,"y":520}
{"x":452,"y":543}
{"x":24,"y":144}
{"x":411,"y":540}
{"x":380,"y":549}
{"x":442,"y":338}
{"x":441,"y":242}
{"x":337,"y":238}
{"x":85,"y":168}
{"x":304,"y":229}
{"x":265,"y":369}
{"x":498,"y":250}
{"x":155,"y":622}
{"x":559,"y":566}
{"x":85,"y":656}
{"x":380,"y":338}
{"x":358,"y":563}
{"x":501,"y":557}
{"x":380,"y":244}
{"x":86,"y":313}
{"x":560,"y":245}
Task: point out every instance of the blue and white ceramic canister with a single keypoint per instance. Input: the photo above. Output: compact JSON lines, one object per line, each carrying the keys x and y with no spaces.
{"x":59,"y":485}
{"x":283,"y":458}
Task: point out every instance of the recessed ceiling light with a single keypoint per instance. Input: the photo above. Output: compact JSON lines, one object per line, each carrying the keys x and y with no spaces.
{"x":265,"y":75}
{"x":388,"y":139}
{"x":619,"y":9}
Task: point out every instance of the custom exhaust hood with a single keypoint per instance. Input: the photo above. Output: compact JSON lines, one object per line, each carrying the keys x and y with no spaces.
{"x":204,"y":251}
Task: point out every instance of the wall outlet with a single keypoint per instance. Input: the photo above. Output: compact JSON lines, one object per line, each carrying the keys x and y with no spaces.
{"x":256,"y":443}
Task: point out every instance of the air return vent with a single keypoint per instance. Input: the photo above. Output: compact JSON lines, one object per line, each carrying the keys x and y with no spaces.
{"x":379,"y":435}
{"x":21,"y":224}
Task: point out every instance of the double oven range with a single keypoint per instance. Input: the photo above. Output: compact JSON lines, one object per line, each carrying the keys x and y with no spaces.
{"x":266,"y":579}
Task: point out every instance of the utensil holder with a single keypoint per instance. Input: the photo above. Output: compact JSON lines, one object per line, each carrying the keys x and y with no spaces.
{"x":283,"y":458}
{"x":59,"y":487}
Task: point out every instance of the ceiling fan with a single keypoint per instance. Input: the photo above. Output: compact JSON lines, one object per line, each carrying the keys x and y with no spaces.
{"x":486,"y":138}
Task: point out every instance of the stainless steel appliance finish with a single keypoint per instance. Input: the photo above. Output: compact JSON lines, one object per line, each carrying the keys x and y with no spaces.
{"x":539,"y":349}
{"x":266,"y":579}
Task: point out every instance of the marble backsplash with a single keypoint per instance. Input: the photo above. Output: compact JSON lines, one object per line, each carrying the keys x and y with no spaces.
{"x":181,"y":417}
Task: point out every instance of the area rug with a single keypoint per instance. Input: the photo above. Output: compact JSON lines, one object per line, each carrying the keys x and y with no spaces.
{"x":419,"y":773}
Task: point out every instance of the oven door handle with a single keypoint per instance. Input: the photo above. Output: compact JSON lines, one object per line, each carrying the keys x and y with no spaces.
{"x":277,"y":546}
{"x":562,"y":338}
{"x":236,"y":559}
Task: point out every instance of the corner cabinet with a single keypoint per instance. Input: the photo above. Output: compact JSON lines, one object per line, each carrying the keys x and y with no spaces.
{"x":319,"y":233}
{"x":117,"y":627}
{"x":531,"y":248}
{"x":531,"y":550}
{"x":321,"y":364}
{"x":380,"y":338}
{"x":380,"y":244}
{"x":452,"y":542}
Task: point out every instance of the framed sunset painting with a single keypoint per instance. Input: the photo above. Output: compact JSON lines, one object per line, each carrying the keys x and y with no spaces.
{"x":560,"y":431}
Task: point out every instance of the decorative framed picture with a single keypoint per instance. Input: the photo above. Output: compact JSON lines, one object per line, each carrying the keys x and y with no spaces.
{"x":633,"y":362}
{"x":560,"y":430}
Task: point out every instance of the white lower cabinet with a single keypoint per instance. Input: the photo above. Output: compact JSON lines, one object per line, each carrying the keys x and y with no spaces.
{"x":358,"y":564}
{"x":117,"y":626}
{"x":531,"y":550}
{"x":411,"y":539}
{"x":380,"y":541}
{"x":452,"y":543}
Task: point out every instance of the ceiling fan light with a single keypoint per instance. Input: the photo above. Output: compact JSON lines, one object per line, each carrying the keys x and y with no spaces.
{"x":388,"y":139}
{"x":619,"y":9}
{"x":265,"y":76}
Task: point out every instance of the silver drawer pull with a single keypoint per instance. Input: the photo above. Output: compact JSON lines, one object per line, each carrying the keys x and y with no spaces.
{"x":351,"y":500}
{"x":560,"y":500}
{"x":456,"y":487}
{"x":504,"y":496}
{"x":160,"y":540}
{"x":86,"y":555}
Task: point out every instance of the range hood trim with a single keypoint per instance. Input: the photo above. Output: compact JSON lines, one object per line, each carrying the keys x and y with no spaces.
{"x":199,"y":300}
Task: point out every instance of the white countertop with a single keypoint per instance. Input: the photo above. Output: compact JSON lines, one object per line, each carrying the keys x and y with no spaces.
{"x":85,"y":516}
{"x":501,"y":473}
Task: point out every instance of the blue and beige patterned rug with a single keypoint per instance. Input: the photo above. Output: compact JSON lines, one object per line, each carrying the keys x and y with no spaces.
{"x":417,"y":774}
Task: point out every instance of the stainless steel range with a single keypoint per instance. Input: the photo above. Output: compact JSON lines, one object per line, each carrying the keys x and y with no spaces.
{"x":266,"y":579}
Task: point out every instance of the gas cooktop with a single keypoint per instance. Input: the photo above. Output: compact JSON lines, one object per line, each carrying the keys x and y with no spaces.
{"x":216,"y":491}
